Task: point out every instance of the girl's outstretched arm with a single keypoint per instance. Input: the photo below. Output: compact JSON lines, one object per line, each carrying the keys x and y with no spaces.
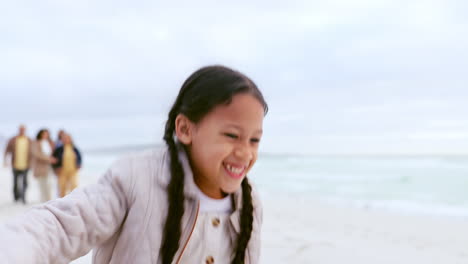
{"x":65,"y":229}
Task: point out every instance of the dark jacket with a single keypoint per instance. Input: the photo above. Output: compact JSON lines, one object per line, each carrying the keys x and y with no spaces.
{"x":58,"y":154}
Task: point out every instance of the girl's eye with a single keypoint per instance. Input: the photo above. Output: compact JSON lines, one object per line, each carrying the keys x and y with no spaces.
{"x":230,"y":135}
{"x":255,"y":140}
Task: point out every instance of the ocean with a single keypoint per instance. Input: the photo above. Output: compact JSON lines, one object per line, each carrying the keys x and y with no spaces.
{"x":429,"y":185}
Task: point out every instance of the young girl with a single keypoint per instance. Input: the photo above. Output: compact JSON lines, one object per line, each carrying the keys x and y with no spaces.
{"x":190,"y":202}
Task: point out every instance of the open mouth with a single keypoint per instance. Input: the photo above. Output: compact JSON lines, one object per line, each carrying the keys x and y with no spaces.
{"x":234,"y":171}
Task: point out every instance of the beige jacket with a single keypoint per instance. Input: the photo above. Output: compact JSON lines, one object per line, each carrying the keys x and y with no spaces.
{"x":41,"y":161}
{"x":121,"y":217}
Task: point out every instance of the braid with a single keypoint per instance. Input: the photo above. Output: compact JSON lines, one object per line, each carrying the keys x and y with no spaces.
{"x":172,"y":227}
{"x":246,"y":221}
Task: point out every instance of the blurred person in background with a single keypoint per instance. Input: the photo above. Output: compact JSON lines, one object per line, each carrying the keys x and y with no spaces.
{"x":42,"y":153}
{"x":20,"y":148}
{"x":67,"y":165}
{"x":59,"y":141}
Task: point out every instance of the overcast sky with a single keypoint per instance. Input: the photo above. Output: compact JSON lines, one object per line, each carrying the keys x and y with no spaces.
{"x":363,"y":76}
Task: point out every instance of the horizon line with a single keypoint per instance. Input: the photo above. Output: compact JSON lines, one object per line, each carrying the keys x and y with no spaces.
{"x":136,"y":147}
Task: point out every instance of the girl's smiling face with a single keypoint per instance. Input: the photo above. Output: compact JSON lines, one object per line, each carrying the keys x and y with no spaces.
{"x":223,"y":145}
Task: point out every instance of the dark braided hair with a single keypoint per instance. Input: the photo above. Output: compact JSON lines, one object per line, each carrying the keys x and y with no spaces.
{"x":205,"y":89}
{"x":246,"y":221}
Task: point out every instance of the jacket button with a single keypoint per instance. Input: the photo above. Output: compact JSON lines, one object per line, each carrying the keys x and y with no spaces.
{"x":215,"y":222}
{"x":209,"y":260}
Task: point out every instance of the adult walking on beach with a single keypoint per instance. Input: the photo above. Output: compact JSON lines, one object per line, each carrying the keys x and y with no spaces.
{"x":42,"y":153}
{"x":59,"y":141}
{"x":67,"y":165}
{"x":20,"y":149}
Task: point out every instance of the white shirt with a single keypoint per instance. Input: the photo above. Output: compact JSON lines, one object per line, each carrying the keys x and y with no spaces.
{"x":45,"y":147}
{"x":208,"y":204}
{"x":210,"y":238}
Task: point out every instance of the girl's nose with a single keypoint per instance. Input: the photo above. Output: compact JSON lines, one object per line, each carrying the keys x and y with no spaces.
{"x":243,"y":153}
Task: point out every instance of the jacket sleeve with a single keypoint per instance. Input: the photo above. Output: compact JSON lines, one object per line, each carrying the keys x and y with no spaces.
{"x":78,"y":157}
{"x":8,"y":149}
{"x":65,"y":229}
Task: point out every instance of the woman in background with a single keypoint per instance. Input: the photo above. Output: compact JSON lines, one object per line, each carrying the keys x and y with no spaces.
{"x":67,"y":166}
{"x":42,"y":154}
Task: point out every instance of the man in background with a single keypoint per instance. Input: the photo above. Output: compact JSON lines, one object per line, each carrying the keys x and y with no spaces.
{"x":20,"y":149}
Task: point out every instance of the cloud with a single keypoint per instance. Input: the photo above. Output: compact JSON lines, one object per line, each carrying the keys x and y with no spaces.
{"x":364,"y":71}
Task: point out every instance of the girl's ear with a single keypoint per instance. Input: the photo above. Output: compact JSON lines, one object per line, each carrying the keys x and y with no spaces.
{"x":183,"y":129}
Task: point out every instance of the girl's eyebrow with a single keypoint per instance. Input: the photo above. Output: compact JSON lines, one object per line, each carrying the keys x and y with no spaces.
{"x":259,"y":131}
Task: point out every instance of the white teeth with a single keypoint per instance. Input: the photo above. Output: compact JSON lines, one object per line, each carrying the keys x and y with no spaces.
{"x":234,"y":170}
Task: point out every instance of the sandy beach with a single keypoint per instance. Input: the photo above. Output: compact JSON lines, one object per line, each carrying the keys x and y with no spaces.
{"x":298,"y":229}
